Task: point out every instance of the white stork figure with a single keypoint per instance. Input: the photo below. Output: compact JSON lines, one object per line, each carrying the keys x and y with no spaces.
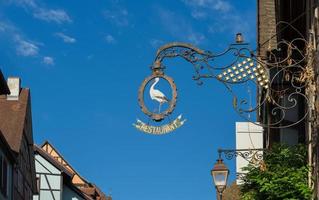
{"x":158,"y":95}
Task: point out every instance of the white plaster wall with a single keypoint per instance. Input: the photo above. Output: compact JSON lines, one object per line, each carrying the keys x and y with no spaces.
{"x":52,"y":176}
{"x":49,"y":168}
{"x":69,"y":194}
{"x":248,"y":136}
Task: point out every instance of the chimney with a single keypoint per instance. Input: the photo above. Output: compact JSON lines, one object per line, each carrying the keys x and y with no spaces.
{"x":14,"y":84}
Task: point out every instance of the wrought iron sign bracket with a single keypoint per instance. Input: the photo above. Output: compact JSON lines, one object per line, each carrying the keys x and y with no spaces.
{"x":250,"y":155}
{"x":281,"y":79}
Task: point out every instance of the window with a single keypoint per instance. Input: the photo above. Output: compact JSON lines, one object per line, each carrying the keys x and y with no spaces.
{"x":3,"y":176}
{"x":26,"y":191}
{"x":20,"y":182}
{"x":1,"y":173}
{"x":38,"y":184}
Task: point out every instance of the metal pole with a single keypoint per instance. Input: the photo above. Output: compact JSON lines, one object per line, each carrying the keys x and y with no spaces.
{"x":220,"y":196}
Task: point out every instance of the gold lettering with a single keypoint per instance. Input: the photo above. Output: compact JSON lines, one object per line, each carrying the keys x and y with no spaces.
{"x":159,"y":130}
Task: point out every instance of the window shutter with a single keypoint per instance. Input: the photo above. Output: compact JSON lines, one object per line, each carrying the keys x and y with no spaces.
{"x":5,"y":177}
{"x":1,"y":173}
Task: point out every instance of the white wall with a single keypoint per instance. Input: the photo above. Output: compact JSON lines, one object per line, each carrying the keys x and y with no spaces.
{"x":50,"y":175}
{"x":248,"y":136}
{"x":69,"y":194}
{"x":50,"y":180}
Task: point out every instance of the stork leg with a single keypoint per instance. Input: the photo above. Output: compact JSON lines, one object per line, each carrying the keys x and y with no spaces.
{"x":159,"y":107}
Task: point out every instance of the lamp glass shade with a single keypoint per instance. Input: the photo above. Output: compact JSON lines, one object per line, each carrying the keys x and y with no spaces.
{"x":220,"y":177}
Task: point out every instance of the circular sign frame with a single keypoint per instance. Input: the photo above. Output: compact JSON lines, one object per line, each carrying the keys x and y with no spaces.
{"x":172,"y":103}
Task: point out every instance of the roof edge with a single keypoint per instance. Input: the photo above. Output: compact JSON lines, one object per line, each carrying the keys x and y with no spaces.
{"x":53,"y":161}
{"x":4,"y":89}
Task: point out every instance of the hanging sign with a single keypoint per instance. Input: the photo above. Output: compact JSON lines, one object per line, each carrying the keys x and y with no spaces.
{"x":155,"y":95}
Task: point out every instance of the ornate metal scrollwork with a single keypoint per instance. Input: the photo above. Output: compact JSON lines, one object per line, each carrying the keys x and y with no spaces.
{"x":253,"y":156}
{"x":280,"y":80}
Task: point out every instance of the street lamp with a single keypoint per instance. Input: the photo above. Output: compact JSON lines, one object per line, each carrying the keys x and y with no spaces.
{"x":220,"y":175}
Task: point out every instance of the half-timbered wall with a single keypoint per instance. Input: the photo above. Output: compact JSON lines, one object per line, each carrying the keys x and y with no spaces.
{"x":70,"y":194}
{"x":22,"y":172}
{"x":49,"y":180}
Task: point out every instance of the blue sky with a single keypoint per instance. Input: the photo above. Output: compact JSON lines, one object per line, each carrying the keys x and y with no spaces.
{"x":84,"y":62}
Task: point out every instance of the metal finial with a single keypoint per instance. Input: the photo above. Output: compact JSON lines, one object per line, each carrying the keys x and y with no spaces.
{"x":239,"y":38}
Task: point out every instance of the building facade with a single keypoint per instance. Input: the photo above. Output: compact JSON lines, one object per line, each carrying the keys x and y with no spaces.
{"x":58,"y":180}
{"x":282,"y":22}
{"x":29,"y":172}
{"x":7,"y":161}
{"x":18,"y":180}
{"x":7,"y":158}
{"x":54,"y":180}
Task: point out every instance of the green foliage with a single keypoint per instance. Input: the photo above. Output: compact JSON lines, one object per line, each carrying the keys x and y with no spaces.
{"x":282,"y":175}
